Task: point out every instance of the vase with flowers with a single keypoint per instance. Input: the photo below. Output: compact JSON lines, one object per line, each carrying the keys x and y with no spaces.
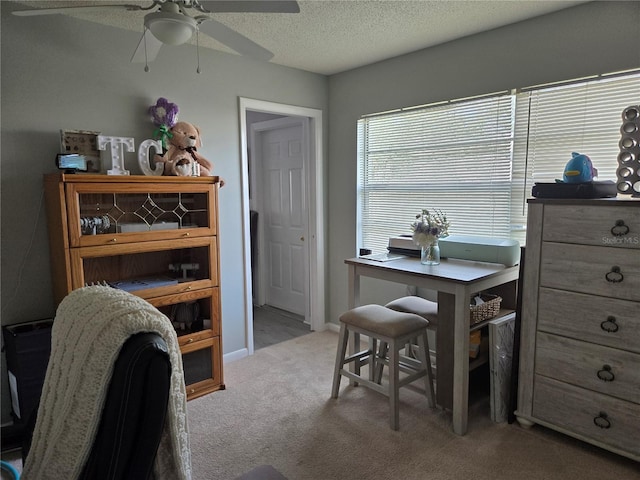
{"x":427,"y":229}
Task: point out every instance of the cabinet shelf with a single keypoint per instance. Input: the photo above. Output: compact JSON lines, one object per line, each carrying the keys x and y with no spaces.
{"x":501,"y":313}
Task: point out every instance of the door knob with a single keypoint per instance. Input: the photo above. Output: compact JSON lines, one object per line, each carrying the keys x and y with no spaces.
{"x":302,"y":239}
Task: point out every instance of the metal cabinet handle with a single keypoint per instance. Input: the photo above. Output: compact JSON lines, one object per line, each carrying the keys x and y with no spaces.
{"x":602,"y":420}
{"x":619,"y":229}
{"x":614,"y":275}
{"x":610,"y":325}
{"x":605,"y":374}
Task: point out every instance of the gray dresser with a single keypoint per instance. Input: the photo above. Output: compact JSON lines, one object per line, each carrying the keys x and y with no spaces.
{"x":580,"y":337}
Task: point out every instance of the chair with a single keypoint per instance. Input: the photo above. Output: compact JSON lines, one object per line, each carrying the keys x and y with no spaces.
{"x":134,"y":412}
{"x":392,"y":330}
{"x":113,"y":403}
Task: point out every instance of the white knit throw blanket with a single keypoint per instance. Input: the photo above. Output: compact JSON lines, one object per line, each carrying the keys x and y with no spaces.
{"x":89,"y":329}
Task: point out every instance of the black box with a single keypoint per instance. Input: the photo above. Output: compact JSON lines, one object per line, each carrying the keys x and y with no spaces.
{"x":604,"y":189}
{"x":27,"y":347}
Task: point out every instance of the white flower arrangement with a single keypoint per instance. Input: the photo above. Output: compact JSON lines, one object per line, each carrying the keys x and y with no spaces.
{"x":429,"y":227}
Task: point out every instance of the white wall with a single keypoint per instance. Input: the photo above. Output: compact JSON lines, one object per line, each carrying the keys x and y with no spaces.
{"x":53,"y":79}
{"x":593,"y":38}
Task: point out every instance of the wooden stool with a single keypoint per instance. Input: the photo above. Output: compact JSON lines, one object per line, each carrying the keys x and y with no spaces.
{"x":393,"y":330}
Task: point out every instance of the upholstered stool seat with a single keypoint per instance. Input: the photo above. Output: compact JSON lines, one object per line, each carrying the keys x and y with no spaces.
{"x":418,"y":305}
{"x":392,"y":330}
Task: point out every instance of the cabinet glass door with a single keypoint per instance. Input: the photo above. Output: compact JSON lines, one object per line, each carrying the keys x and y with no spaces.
{"x":195,"y":315}
{"x":202,"y":367}
{"x":163,"y":268}
{"x":97,"y":212}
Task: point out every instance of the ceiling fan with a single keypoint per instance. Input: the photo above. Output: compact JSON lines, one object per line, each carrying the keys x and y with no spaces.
{"x":170,"y":23}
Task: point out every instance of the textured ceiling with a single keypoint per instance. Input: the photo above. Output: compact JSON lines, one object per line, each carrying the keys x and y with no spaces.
{"x":331,"y":36}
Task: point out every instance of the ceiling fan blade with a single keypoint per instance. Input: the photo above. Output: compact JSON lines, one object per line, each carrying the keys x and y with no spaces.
{"x":152,"y":48}
{"x":87,"y":8}
{"x":234,"y":40}
{"x":245,"y":6}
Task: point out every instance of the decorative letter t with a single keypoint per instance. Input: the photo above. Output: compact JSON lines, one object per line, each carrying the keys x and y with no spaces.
{"x":117,"y":159}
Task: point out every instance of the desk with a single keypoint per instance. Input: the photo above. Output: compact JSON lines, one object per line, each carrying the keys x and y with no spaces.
{"x":455,"y":281}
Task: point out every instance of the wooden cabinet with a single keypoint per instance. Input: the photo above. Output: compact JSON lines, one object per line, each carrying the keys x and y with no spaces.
{"x":580,"y":337}
{"x":156,"y":237}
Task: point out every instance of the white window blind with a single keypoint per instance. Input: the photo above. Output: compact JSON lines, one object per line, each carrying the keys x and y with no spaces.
{"x":476,"y":160}
{"x":552,"y":122}
{"x":454,"y":157}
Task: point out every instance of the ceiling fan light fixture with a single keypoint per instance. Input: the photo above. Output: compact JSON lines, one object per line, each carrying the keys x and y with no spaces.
{"x":170,"y":28}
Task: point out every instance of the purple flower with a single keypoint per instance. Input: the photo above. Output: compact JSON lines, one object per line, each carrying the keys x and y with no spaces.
{"x":164,"y":113}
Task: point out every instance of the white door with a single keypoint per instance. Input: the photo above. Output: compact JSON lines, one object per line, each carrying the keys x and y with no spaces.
{"x":280,"y":151}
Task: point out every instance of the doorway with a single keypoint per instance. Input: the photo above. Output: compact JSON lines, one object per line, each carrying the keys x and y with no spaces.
{"x":277,"y":196}
{"x":282,"y":178}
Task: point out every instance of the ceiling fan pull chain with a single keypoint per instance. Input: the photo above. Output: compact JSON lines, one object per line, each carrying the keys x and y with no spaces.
{"x":146,"y":62}
{"x":198,"y":49}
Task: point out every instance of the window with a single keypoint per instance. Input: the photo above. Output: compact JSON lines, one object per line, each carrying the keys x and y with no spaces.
{"x":477,"y":159}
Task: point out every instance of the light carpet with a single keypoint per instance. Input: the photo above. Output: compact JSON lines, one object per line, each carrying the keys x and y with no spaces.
{"x":277,"y":411}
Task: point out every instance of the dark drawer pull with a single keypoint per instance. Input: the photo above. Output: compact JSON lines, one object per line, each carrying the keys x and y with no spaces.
{"x":615,"y":275}
{"x":606,"y":375}
{"x":610,"y":325}
{"x":602,"y":420}
{"x":619,"y":229}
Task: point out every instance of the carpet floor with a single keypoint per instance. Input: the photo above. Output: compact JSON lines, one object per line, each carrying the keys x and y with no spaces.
{"x":277,"y":411}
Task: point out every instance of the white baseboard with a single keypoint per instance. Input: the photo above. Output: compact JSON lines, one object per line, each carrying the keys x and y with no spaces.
{"x":334,"y":327}
{"x":237,"y":355}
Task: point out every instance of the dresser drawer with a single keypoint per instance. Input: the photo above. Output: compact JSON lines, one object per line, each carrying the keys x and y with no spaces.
{"x":587,"y":269}
{"x":602,"y":369}
{"x":614,"y":226}
{"x":580,"y":411}
{"x":607,"y":321}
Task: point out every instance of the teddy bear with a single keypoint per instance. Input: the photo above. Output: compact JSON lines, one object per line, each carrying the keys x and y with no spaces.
{"x":182,"y":157}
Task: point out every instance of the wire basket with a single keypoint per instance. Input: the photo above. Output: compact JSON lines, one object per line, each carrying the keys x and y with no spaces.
{"x":486,"y":310}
